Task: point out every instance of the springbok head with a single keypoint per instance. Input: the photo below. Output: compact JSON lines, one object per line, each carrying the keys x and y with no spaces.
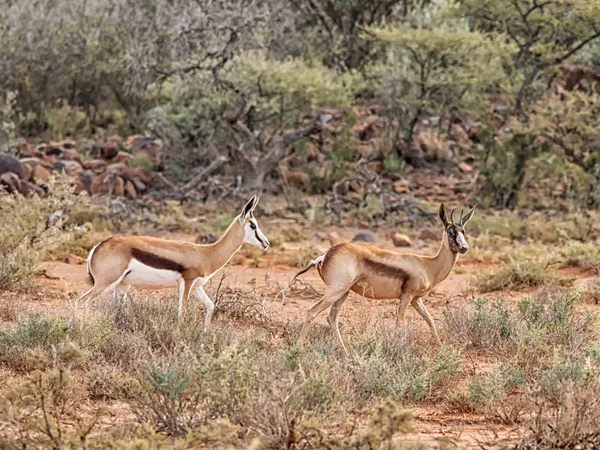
{"x":456,"y":230}
{"x":253,"y":234}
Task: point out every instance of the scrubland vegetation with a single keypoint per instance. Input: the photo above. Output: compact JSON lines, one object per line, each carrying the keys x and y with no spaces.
{"x":344,"y":116}
{"x":112,"y":375}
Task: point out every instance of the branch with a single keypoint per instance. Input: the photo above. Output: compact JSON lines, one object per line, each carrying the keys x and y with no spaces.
{"x":573,"y":50}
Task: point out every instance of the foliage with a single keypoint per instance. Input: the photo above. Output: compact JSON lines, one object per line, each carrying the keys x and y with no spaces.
{"x":33,"y":227}
{"x":515,"y":275}
{"x":543,"y":36}
{"x":433,"y":71}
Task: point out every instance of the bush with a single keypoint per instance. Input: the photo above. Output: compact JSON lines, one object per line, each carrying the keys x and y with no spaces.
{"x":539,"y":329}
{"x":37,"y":330}
{"x":516,"y":275}
{"x":32,"y":228}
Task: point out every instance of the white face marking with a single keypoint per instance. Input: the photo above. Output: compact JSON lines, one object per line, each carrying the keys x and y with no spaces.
{"x":461,"y":241}
{"x":254,"y":235}
{"x":147,"y":277}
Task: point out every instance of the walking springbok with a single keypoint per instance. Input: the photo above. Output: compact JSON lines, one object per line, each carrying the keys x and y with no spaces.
{"x":153,"y":263}
{"x":379,"y":274}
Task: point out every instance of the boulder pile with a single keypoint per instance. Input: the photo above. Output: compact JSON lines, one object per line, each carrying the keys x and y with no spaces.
{"x":98,"y":169}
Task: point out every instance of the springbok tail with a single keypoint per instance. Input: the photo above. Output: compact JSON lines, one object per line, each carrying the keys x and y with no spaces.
{"x":313,"y":263}
{"x":91,"y":279}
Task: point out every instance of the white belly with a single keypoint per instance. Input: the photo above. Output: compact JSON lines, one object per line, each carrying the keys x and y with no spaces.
{"x":146,"y":277}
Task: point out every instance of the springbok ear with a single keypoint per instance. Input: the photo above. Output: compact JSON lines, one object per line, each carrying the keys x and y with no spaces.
{"x":469,"y":215}
{"x":256,"y":198}
{"x":442,"y":214}
{"x":248,"y":208}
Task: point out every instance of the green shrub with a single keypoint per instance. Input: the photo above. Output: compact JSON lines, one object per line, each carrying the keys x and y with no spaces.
{"x":516,"y":275}
{"x":37,"y":330}
{"x":32,"y":228}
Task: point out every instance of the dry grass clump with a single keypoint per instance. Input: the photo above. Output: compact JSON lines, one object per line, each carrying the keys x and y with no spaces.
{"x":585,"y":256}
{"x":234,"y":386}
{"x":517,"y":275}
{"x":540,"y":346}
{"x":568,"y":421}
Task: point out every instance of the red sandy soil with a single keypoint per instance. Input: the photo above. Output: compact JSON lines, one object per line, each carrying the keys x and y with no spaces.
{"x":64,"y":281}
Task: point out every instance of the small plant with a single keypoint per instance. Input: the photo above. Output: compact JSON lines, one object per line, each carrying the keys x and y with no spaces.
{"x":37,"y":330}
{"x":483,"y":324}
{"x":140,"y":161}
{"x":516,"y":275}
{"x":393,"y":164}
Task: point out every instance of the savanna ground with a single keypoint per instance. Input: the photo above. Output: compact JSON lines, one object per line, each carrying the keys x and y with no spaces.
{"x":518,"y":363}
{"x":166,"y":115}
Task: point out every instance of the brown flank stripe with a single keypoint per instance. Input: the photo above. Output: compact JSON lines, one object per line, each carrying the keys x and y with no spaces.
{"x":155,"y":261}
{"x":387,"y":270}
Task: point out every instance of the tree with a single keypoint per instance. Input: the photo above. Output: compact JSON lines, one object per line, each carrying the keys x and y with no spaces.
{"x":544,"y":34}
{"x":273,"y":96}
{"x":567,"y":123}
{"x":341,"y":22}
{"x":435,"y":71}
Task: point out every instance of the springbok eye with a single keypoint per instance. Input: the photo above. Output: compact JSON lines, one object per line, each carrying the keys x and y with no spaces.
{"x":253,"y":225}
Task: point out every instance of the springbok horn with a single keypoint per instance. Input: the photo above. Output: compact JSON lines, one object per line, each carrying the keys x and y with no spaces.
{"x":452,"y":215}
{"x":461,"y":216}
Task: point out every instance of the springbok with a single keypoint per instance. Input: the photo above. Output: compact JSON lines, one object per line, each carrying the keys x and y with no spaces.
{"x":153,"y":263}
{"x":379,"y":274}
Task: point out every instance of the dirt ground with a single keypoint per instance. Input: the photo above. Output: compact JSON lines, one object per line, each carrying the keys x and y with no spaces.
{"x":64,"y":281}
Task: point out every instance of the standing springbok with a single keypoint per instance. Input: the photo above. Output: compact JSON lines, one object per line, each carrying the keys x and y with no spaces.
{"x":379,"y":274}
{"x":154,"y":263}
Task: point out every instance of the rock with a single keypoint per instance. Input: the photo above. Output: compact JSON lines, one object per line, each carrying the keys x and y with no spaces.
{"x":429,"y":234}
{"x":335,"y":239}
{"x":401,"y":187}
{"x":119,"y":188}
{"x":365,"y":129}
{"x":122,"y":157}
{"x":40,"y":173}
{"x":31,"y":161}
{"x":141,"y":178}
{"x":375,"y":166}
{"x":139,"y":185}
{"x":313,"y":153}
{"x":118,"y":167}
{"x":109,"y":151}
{"x":86,"y":177}
{"x":71,"y":168}
{"x":26,"y":149}
{"x":207,"y":238}
{"x":132,"y":141}
{"x":11,"y":164}
{"x":74,"y":260}
{"x":96,"y":165}
{"x":10,"y":181}
{"x":108,"y":183}
{"x":320,"y":236}
{"x":70,"y":154}
{"x":459,"y":133}
{"x":364,"y":236}
{"x":401,"y":240}
{"x":28,"y":188}
{"x":27,"y":171}
{"x":354,"y":186}
{"x":130,"y":189}
{"x":96,"y":151}
{"x":464,"y":167}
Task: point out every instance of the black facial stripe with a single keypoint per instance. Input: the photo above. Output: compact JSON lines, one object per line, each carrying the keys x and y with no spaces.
{"x":259,"y":239}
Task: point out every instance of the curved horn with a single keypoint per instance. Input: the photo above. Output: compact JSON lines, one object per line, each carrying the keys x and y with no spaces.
{"x":452,"y":215}
{"x":461,"y":217}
